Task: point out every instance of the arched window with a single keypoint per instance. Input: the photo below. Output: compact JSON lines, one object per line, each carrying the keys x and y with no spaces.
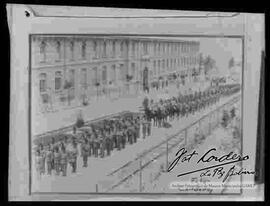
{"x":58,"y":50}
{"x":58,"y":81}
{"x":43,"y":82}
{"x":83,"y":50}
{"x":42,"y":48}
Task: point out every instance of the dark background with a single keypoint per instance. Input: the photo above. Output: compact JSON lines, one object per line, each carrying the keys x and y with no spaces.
{"x":222,"y":6}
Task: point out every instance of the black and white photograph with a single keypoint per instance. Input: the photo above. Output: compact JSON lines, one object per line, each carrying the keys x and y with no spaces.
{"x":139,"y":106}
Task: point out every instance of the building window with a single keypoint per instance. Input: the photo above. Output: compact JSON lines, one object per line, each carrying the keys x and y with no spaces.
{"x":113,"y":74}
{"x":58,"y":81}
{"x":43,"y":51}
{"x":95,"y":80}
{"x":163,"y":47}
{"x":84,"y":78}
{"x":83,"y":50}
{"x":133,"y":70}
{"x":122,"y":49}
{"x":158,"y":67}
{"x":104,"y":49}
{"x":58,"y":51}
{"x":121,"y":73}
{"x":113,"y":49}
{"x":154,"y":67}
{"x":133,"y":48}
{"x":43,"y":82}
{"x":71,"y":50}
{"x":95,"y":49}
{"x":104,"y":75}
{"x":145,"y":48}
{"x":72,"y":77}
{"x":163,"y":65}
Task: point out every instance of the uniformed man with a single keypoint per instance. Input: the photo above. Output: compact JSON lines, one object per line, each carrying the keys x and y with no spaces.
{"x":102,"y":146}
{"x":85,"y":149}
{"x":118,"y":139}
{"x":49,"y":160}
{"x":57,"y":158}
{"x":144,"y":128}
{"x":72,"y":155}
{"x":108,"y":144}
{"x":63,"y":161}
{"x":148,"y":127}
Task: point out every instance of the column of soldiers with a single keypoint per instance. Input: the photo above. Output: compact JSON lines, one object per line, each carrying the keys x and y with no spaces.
{"x":100,"y":141}
{"x":183,"y":105}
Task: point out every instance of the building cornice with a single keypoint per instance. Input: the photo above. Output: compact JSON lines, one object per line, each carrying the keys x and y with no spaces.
{"x":82,"y":37}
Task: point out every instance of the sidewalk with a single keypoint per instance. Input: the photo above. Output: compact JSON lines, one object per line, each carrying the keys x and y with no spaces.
{"x":86,"y":178}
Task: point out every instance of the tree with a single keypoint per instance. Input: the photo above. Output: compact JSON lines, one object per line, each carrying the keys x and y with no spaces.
{"x":209,"y":63}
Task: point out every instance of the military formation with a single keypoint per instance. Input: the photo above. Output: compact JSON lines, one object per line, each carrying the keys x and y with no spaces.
{"x":101,"y":138}
{"x":96,"y":140}
{"x":176,"y":107}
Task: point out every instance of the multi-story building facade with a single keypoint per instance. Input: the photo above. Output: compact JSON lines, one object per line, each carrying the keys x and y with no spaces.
{"x":77,"y":68}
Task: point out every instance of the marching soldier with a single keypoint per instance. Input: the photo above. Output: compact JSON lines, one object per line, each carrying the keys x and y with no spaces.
{"x":38,"y":163}
{"x":102,"y":143}
{"x":63,"y":161}
{"x":57,"y":158}
{"x":118,"y":139}
{"x":96,"y":146}
{"x":123,"y":138}
{"x":72,"y":155}
{"x":49,"y":160}
{"x":148,"y":123}
{"x":43,"y":157}
{"x":85,"y":149}
{"x":108,"y":145}
{"x":144,"y":128}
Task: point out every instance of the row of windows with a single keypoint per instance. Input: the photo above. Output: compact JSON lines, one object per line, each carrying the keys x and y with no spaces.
{"x":158,"y":48}
{"x":102,"y":76}
{"x":96,"y":77}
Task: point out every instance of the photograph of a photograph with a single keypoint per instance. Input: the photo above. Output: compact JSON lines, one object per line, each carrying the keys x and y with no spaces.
{"x":135,"y":104}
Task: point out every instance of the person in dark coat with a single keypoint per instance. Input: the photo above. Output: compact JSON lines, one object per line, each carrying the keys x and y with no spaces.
{"x":64,"y":161}
{"x":85,"y":149}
